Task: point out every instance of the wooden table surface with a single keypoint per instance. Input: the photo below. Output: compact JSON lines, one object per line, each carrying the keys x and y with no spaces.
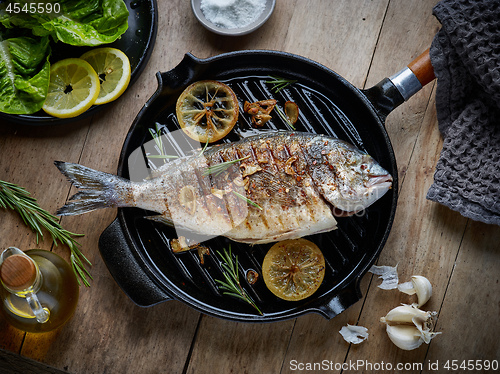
{"x":364,"y":41}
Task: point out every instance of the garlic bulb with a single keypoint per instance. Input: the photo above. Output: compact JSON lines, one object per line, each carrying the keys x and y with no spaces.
{"x":418,"y":285}
{"x":408,"y":327}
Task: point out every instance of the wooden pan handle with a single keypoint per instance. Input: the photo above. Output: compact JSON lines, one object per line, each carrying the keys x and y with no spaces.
{"x":422,"y":68}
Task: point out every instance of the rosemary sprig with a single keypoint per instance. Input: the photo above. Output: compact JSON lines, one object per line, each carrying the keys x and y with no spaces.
{"x":18,"y":199}
{"x":231,"y":286}
{"x":284,"y":117}
{"x":156,"y":135}
{"x":204,"y":148}
{"x":280,"y":83}
{"x":219,"y":168}
{"x":253,"y":203}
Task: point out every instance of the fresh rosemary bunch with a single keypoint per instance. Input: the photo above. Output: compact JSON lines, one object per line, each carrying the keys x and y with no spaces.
{"x":231,"y":286}
{"x":17,"y":198}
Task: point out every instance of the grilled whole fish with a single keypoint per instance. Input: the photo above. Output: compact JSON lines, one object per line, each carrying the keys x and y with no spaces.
{"x":264,"y":188}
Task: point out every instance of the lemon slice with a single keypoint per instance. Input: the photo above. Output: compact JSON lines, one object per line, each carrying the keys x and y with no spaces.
{"x":113,"y":68}
{"x":207,"y":110}
{"x":293,"y":269}
{"x":73,"y":88}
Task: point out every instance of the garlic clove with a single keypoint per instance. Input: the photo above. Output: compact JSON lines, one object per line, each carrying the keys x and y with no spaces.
{"x":423,"y":289}
{"x":406,"y":337}
{"x":418,"y":285}
{"x":405,"y":314}
{"x":407,"y":288}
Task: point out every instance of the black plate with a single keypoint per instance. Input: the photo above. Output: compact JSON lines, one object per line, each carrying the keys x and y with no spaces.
{"x":137,"y":43}
{"x":137,"y":251}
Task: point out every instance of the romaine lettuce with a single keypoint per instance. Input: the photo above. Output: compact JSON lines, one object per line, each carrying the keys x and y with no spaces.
{"x":24,"y":59}
{"x":24,"y":74}
{"x":80,"y":22}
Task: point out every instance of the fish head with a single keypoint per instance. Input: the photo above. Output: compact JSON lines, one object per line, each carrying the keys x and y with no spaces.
{"x":355,"y":182}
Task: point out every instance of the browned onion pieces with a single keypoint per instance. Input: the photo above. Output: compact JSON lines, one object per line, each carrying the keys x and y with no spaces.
{"x":259,"y":111}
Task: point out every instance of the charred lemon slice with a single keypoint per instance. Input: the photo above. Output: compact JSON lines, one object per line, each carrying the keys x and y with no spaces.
{"x":207,"y":110}
{"x":293,"y":269}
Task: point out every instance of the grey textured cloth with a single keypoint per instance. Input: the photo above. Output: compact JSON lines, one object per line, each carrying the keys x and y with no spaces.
{"x":465,"y":55}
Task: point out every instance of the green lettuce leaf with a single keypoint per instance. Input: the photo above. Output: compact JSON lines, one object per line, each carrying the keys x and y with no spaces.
{"x":79,"y":23}
{"x":24,"y":74}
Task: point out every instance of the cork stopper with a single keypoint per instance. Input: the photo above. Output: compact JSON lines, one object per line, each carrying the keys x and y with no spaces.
{"x":18,"y":272}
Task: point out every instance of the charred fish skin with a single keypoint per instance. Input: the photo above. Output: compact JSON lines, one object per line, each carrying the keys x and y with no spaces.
{"x":280,"y":185}
{"x":275,"y":176}
{"x":349,"y":179}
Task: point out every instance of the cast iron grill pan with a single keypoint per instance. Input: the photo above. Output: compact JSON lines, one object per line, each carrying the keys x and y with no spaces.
{"x":138,"y":252}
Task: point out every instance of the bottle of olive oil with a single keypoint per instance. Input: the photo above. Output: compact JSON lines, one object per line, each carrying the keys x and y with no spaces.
{"x":39,"y":290}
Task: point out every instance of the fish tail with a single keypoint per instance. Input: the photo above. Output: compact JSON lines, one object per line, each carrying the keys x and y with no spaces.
{"x":99,"y":189}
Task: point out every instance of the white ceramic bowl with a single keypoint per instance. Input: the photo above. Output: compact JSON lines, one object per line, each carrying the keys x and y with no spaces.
{"x":268,"y":10}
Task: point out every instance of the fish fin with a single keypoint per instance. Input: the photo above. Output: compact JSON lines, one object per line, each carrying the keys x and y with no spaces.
{"x":99,"y":189}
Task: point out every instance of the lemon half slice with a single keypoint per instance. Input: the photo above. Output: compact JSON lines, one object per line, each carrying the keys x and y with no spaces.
{"x":73,"y":88}
{"x":207,"y":110}
{"x":293,"y":269}
{"x":113,"y":68}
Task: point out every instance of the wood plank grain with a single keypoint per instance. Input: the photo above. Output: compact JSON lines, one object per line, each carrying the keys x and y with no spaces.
{"x":111,"y":334}
{"x":107,"y":324}
{"x":340,"y":36}
{"x":424,"y":241}
{"x":30,"y":165}
{"x":322,"y":337}
{"x":230,"y":347}
{"x":471,"y":306}
{"x":180,"y":33}
{"x":27,"y":154}
{"x":409,"y":29}
{"x":363,"y":41}
{"x":14,"y":364}
{"x":316,"y":341}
